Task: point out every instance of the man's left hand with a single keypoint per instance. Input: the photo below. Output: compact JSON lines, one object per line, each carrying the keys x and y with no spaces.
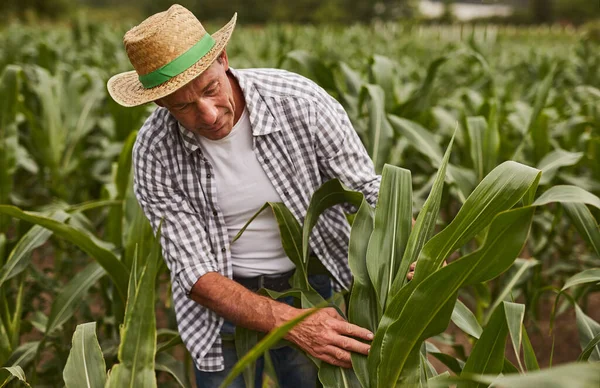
{"x":411,"y":269}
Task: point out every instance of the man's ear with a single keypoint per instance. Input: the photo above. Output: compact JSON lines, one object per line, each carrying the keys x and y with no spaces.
{"x":224,"y":60}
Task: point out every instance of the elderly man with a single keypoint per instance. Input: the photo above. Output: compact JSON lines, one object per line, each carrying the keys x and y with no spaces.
{"x":222,"y":143}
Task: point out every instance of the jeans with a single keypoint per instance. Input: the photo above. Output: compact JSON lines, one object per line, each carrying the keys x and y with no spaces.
{"x":293,"y":368}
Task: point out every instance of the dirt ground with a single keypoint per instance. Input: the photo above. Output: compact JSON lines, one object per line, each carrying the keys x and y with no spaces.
{"x":566,"y":337}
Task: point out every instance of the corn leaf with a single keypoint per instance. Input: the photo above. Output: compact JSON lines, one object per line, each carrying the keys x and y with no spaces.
{"x":8,"y":373}
{"x":585,"y":223}
{"x":567,"y":194}
{"x":488,"y":353}
{"x":362,"y":309}
{"x":589,"y":349}
{"x":329,"y":194}
{"x":573,"y":375}
{"x":71,"y":295}
{"x":113,"y":266}
{"x":20,"y":256}
{"x":588,"y":329}
{"x":167,"y":363}
{"x":410,"y":313}
{"x":477,"y":128}
{"x":515,"y":313}
{"x":380,"y":132}
{"x":267,"y":342}
{"x":85,"y":366}
{"x":588,"y":276}
{"x":425,"y":223}
{"x":555,"y":160}
{"x":498,"y":191}
{"x":10,"y":89}
{"x":137,"y":349}
{"x":465,"y":320}
{"x":393,"y":218}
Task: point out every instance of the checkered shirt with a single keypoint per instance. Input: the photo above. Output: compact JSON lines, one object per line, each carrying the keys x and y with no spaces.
{"x":302,"y":137}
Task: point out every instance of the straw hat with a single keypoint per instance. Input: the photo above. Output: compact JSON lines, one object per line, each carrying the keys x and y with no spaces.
{"x":167,"y":50}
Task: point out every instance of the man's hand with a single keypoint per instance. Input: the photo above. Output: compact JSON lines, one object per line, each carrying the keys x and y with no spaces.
{"x":328,"y":337}
{"x":411,"y":269}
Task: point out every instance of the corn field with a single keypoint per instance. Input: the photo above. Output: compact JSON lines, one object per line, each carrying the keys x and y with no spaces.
{"x":489,"y":137}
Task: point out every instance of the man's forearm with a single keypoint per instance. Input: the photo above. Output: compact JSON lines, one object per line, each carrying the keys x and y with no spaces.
{"x":241,"y":306}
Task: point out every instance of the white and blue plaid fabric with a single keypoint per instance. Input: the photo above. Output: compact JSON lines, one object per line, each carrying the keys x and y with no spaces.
{"x":302,"y":137}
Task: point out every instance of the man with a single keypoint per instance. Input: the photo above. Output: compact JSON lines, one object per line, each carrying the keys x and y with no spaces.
{"x":221,"y":144}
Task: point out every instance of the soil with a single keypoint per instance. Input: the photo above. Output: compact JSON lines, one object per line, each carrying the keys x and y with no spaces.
{"x":566,"y":337}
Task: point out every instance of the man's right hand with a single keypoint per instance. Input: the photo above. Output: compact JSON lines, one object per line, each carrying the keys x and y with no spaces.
{"x":328,"y":337}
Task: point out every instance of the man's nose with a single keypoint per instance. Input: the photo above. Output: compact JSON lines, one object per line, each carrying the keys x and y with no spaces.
{"x":208,"y":111}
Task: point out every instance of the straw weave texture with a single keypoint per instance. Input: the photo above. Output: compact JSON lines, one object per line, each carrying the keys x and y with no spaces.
{"x":157,"y":41}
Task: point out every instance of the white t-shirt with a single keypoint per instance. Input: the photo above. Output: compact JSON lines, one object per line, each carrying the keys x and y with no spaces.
{"x":242,"y":189}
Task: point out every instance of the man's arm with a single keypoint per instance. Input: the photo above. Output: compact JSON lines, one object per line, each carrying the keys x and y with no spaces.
{"x":186,"y":249}
{"x":324,"y":334}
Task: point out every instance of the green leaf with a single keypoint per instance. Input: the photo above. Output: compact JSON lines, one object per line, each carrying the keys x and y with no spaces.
{"x":267,"y":342}
{"x":498,"y":191}
{"x":589,"y":349}
{"x":491,"y":139}
{"x":167,"y":363}
{"x":465,"y":320}
{"x":115,"y":268}
{"x":10,"y":89}
{"x":567,"y":194}
{"x":585,"y":223}
{"x":588,"y":329}
{"x":531,"y":361}
{"x":380,"y":132}
{"x":420,"y":138}
{"x":337,"y":377}
{"x":291,"y":239}
{"x":425,"y":223}
{"x":245,"y":340}
{"x":515,"y":313}
{"x":329,"y":194}
{"x":488,"y":353}
{"x":573,"y":375}
{"x":477,"y":128}
{"x":362,"y":309}
{"x":20,"y":257}
{"x":412,"y":311}
{"x":555,"y":160}
{"x":137,"y":349}
{"x":393,"y":218}
{"x":24,"y":354}
{"x":523,"y":266}
{"x":8,"y":373}
{"x":85,"y":366}
{"x":114,"y":232}
{"x":71,"y":295}
{"x":588,"y":276}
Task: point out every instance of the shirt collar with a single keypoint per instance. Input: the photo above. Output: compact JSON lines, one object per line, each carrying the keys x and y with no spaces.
{"x":262,"y":119}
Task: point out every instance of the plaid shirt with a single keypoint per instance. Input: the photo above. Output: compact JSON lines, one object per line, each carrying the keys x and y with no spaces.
{"x":302,"y":137}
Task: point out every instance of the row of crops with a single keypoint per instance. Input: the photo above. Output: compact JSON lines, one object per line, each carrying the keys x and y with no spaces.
{"x":80,"y":270}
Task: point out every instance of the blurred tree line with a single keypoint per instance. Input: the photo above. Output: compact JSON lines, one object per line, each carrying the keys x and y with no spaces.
{"x":303,"y":11}
{"x":251,"y":11}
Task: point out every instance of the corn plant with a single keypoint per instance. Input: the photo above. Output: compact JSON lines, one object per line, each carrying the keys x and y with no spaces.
{"x":402,"y":314}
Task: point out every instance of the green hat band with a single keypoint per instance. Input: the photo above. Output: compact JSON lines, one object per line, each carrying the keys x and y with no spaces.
{"x":179,"y":64}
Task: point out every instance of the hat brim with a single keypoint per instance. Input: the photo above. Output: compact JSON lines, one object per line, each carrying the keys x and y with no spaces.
{"x":127,"y":90}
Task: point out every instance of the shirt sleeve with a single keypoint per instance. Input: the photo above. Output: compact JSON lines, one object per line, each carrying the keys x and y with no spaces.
{"x":340,"y":152}
{"x":185,"y":244}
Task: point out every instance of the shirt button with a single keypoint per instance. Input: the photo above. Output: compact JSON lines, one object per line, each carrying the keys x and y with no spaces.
{"x":223,"y":249}
{"x":208,"y":175}
{"x":285,"y":192}
{"x":214,"y":213}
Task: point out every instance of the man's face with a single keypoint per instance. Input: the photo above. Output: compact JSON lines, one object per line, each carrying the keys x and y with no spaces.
{"x":206,"y":105}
